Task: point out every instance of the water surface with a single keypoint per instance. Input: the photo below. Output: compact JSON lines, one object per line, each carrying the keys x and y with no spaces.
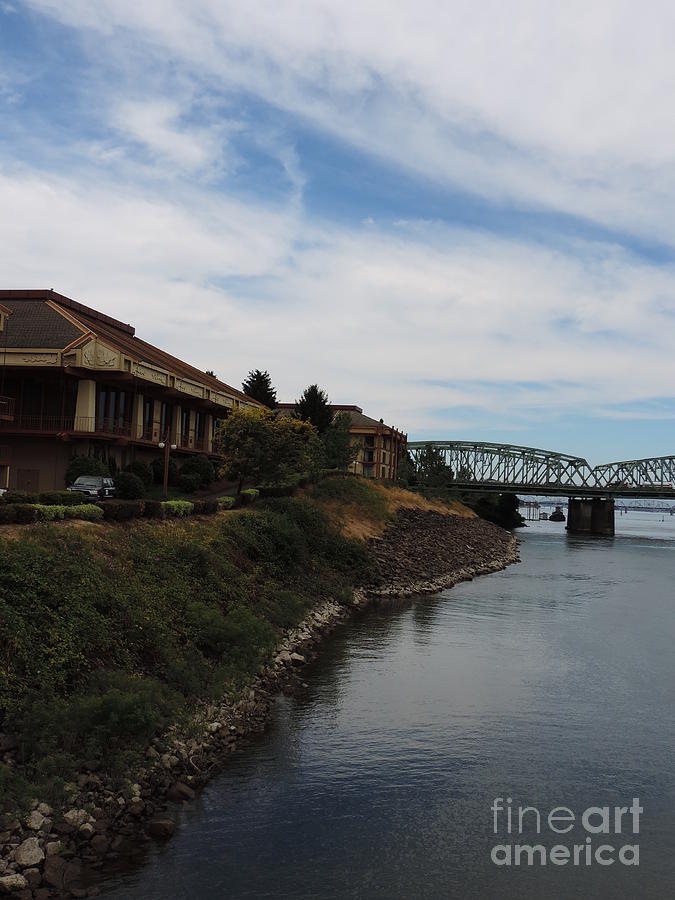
{"x":552,"y":683}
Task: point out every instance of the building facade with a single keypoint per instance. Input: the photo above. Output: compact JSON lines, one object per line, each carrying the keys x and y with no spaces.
{"x":380,"y":447}
{"x":74,"y":381}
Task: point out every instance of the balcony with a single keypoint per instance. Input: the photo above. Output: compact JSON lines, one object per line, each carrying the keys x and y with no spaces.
{"x":6,"y":409}
{"x":65,"y":425}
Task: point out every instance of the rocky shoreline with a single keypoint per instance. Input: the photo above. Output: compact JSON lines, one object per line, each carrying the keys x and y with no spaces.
{"x":50,"y":854}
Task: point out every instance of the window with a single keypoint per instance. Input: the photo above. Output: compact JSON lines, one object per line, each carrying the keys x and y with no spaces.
{"x":184,"y":427}
{"x":113,"y":410}
{"x":165,"y":420}
{"x":147,"y":419}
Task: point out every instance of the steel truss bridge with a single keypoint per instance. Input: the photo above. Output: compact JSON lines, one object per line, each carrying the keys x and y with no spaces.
{"x":480,"y":466}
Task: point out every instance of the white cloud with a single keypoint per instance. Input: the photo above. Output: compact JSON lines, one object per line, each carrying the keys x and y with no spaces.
{"x":563,"y":107}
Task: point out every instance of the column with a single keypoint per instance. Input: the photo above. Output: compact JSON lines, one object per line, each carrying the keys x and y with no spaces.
{"x":85,"y":408}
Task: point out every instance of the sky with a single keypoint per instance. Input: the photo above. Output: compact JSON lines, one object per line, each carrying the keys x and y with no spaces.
{"x":459,"y":216}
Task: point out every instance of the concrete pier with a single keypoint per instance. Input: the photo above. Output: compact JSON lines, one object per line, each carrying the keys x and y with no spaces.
{"x":590,"y":516}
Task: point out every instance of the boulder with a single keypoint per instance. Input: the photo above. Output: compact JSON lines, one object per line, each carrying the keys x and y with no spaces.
{"x":33,"y":877}
{"x":29,"y":853}
{"x":179,"y":792}
{"x":136,"y":806}
{"x":297,"y":659}
{"x":86,"y":830}
{"x":76,"y":817}
{"x":34,"y":820}
{"x":12,"y":883}
{"x":161,"y":829}
{"x":52,"y":848}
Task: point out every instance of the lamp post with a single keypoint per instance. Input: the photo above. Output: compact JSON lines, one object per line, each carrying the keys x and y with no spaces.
{"x":167,"y":448}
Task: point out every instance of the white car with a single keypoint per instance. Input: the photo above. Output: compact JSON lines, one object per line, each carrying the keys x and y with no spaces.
{"x":3,"y":491}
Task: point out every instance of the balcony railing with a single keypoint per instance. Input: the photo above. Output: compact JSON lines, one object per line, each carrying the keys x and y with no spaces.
{"x":59,"y":424}
{"x":6,"y":409}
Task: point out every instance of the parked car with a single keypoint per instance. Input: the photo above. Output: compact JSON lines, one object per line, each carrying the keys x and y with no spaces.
{"x":94,"y":485}
{"x":3,"y":491}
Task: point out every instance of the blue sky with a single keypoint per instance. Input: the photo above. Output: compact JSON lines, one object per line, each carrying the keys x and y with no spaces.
{"x":458,"y":216}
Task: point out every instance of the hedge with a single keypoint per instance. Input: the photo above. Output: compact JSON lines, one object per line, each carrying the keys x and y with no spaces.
{"x":189,"y":483}
{"x":121,"y":510}
{"x":249,"y":496}
{"x":62,"y":498}
{"x":205,"y":507}
{"x":226,"y":502}
{"x":153,"y":509}
{"x":51,"y":512}
{"x":19,"y":497}
{"x":178,"y":508}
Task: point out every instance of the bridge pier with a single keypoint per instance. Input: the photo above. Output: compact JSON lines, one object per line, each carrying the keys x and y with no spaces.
{"x":590,"y":516}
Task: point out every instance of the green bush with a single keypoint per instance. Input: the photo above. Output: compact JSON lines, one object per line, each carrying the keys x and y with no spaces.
{"x":19,"y":497}
{"x":200,"y":466}
{"x":226,"y":502}
{"x":25,"y":513}
{"x":85,"y":465}
{"x":205,"y":507}
{"x":285,"y":488}
{"x":157,"y":466}
{"x":153,"y":509}
{"x":90,"y":512}
{"x":7,"y":513}
{"x":48,"y":513}
{"x":129,"y":486}
{"x":189,"y":483}
{"x":178,"y":508}
{"x":62,"y":498}
{"x":249,"y":496}
{"x":141,"y":470}
{"x":121,"y":510}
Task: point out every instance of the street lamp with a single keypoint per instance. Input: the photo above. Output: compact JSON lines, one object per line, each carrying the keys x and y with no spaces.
{"x":167,"y":448}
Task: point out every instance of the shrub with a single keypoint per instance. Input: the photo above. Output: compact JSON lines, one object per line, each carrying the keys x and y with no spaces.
{"x":7,"y":513}
{"x":201,"y":466}
{"x":153,"y":509}
{"x":129,"y":486}
{"x":90,"y":512}
{"x":205,"y":507}
{"x":226,"y":502}
{"x":284,"y":488}
{"x":249,"y":496}
{"x":85,"y":465}
{"x":157,"y":466}
{"x":178,"y":508}
{"x":62,"y":498}
{"x":121,"y":510}
{"x":142,"y":470}
{"x":19,"y":497}
{"x":189,"y":483}
{"x":25,"y":513}
{"x":48,"y":513}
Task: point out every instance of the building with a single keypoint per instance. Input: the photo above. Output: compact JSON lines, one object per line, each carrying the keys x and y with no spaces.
{"x":380,"y":447}
{"x":75,"y":381}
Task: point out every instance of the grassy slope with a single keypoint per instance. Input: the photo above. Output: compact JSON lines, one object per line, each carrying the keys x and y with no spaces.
{"x":108,"y":633}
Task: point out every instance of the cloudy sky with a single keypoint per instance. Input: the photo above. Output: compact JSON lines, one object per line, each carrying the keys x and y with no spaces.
{"x":459,"y":215}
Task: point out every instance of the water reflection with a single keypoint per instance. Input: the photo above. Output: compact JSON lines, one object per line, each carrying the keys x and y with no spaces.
{"x":552,"y":682}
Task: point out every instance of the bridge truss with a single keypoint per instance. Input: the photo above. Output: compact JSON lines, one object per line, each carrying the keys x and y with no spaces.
{"x":482,"y":466}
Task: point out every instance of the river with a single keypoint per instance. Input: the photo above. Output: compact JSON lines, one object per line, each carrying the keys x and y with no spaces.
{"x":551,"y":683}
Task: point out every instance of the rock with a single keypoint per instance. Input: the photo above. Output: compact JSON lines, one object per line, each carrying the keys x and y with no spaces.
{"x":33,"y":877}
{"x":213,"y":727}
{"x":179,"y":792}
{"x":151,"y":753}
{"x":136,"y":806}
{"x":52,"y":848}
{"x":284,"y":658}
{"x":161,"y":829}
{"x":12,"y":883}
{"x":29,"y":853}
{"x":86,"y":830}
{"x":297,"y":659}
{"x":45,"y":810}
{"x":34,"y":820}
{"x":41,"y":894}
{"x":99,"y":843}
{"x":60,"y":874}
{"x":76,"y":817}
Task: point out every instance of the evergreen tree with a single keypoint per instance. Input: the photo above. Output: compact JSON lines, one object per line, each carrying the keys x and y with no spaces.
{"x":258,"y":386}
{"x":314,"y":407}
{"x":340,"y":451}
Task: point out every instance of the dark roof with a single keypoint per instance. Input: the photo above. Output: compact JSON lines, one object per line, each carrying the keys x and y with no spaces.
{"x":34,"y":324}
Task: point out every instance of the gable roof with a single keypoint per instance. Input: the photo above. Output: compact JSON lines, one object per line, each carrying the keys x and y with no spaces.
{"x":46,"y":319}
